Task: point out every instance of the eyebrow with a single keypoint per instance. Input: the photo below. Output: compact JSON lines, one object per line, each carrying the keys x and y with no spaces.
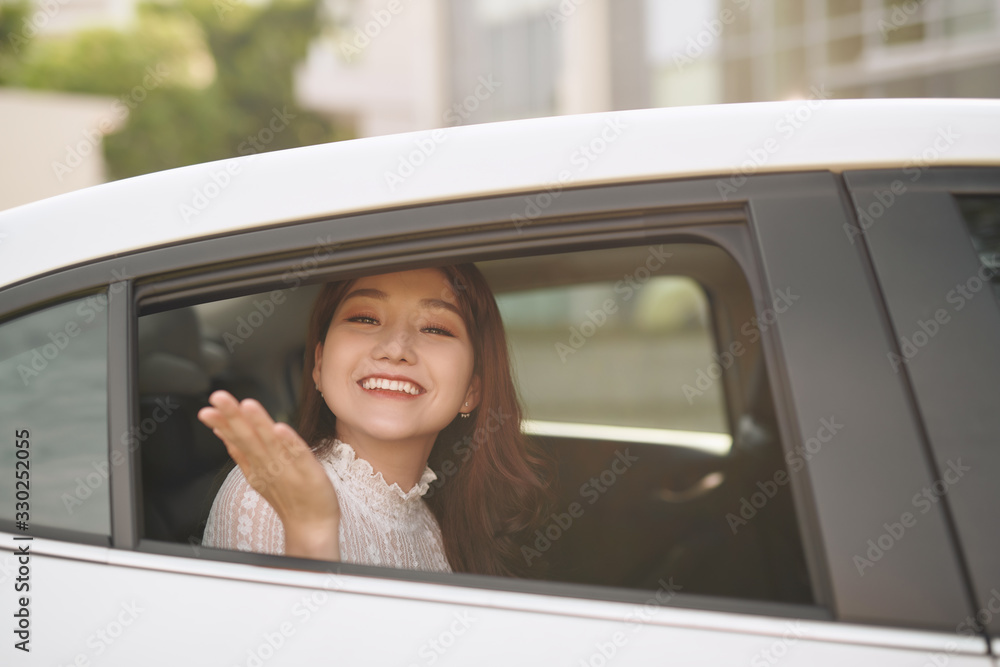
{"x":439,"y":303}
{"x":368,"y":292}
{"x":379,"y":295}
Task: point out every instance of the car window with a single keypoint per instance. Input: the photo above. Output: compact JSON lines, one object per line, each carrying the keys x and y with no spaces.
{"x":583,"y":354}
{"x":53,"y":394}
{"x":982,"y":216}
{"x":623,"y":363}
{"x":634,"y":364}
{"x":250,"y":346}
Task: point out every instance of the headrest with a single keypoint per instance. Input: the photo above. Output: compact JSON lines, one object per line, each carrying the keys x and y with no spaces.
{"x":170,"y":354}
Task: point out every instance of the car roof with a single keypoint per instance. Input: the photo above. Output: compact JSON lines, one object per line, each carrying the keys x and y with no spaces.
{"x":496,"y":158}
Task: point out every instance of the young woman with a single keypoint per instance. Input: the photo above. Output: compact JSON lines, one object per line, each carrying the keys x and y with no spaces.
{"x":401,"y":369}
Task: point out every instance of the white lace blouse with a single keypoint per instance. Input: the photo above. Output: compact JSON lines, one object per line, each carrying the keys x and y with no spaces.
{"x":380,"y":524}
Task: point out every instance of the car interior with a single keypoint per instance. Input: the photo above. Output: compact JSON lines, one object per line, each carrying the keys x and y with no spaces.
{"x":668,"y":518}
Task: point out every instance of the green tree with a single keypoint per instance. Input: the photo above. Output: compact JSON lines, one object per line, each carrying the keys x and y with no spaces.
{"x":13,"y":37}
{"x":199,"y":80}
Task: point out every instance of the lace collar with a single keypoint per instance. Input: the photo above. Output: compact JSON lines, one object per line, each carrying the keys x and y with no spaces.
{"x":362,"y":479}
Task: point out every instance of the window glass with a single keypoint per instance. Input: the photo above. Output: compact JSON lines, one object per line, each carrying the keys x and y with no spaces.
{"x":513,"y":41}
{"x":250,"y":346}
{"x":836,"y":8}
{"x":789,"y":13}
{"x":582,"y":353}
{"x":907,"y":21}
{"x":53,"y":384}
{"x":968,"y":17}
{"x":622,"y":364}
{"x":982,"y":215}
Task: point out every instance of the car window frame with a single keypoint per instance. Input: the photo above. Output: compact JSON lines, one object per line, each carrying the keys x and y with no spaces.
{"x":586,"y":218}
{"x":724,"y":232}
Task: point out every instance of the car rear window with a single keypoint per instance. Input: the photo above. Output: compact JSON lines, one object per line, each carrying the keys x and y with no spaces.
{"x":53,"y":395}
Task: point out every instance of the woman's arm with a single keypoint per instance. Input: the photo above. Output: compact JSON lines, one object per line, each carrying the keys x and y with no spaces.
{"x":279,"y":465}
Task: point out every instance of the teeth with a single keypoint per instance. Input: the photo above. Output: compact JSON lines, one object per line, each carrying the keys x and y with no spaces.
{"x":390,"y":385}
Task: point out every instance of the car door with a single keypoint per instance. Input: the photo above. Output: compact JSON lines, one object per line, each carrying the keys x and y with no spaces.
{"x":843,"y":427}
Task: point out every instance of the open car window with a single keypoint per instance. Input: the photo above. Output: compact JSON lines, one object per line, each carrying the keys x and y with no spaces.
{"x":641,"y":372}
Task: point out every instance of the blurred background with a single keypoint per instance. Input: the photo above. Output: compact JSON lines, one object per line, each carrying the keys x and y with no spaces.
{"x":97,"y":90}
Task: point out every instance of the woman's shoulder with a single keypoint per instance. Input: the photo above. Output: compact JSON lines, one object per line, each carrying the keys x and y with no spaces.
{"x":232,"y":487}
{"x":236,"y":492}
{"x":234,"y":479}
{"x":242,"y":519}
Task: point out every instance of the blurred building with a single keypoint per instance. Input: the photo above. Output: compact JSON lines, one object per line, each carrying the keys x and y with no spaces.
{"x":863,"y":48}
{"x":52,"y":142}
{"x":62,"y":16}
{"x":447,"y":62}
{"x":386,"y":66}
{"x":391,"y":66}
{"x":756,"y":50}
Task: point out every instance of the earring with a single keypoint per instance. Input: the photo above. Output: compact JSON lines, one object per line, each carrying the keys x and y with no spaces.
{"x":319,"y":390}
{"x":465,"y":415}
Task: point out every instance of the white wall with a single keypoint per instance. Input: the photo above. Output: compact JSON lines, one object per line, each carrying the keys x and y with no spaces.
{"x":51,"y":143}
{"x":384,"y":71}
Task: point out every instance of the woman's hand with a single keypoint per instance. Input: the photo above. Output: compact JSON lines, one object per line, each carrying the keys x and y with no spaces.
{"x":279,"y":465}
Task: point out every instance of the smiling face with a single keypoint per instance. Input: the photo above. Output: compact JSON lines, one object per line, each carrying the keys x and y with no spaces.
{"x":397,"y":361}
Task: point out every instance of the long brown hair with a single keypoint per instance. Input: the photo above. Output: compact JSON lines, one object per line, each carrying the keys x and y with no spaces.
{"x":491,"y":488}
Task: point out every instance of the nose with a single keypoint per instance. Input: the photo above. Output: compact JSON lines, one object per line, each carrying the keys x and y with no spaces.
{"x":395,"y":343}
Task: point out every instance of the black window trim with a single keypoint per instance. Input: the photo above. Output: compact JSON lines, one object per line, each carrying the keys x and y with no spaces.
{"x":125,"y":488}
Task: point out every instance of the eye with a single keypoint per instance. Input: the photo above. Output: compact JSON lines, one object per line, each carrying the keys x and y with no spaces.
{"x":439,"y":330}
{"x":363,"y":319}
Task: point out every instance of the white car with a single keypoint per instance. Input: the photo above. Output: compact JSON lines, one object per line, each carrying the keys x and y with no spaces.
{"x":761,"y":341}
